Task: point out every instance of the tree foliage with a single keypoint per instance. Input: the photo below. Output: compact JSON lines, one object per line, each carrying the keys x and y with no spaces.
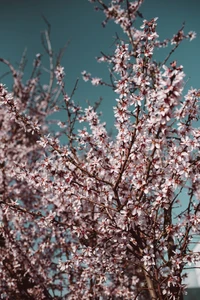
{"x":97,"y":218}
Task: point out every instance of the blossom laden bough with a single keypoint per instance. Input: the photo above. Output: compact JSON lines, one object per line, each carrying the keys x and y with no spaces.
{"x":97,"y":218}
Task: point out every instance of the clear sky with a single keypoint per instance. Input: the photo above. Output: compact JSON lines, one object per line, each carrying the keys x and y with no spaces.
{"x":76,"y":21}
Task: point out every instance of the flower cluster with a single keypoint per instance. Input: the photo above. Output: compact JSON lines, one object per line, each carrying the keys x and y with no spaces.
{"x":59,"y":72}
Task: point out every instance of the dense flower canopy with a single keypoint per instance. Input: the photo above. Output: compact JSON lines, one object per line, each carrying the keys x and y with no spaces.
{"x":97,"y":218}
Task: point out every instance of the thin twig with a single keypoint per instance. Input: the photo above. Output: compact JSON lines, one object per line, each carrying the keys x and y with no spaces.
{"x":173,"y":50}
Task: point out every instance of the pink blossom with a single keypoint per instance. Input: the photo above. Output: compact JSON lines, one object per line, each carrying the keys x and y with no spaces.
{"x":89,"y":215}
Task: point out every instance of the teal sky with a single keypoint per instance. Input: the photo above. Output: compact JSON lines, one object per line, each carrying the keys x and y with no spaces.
{"x":76,"y":21}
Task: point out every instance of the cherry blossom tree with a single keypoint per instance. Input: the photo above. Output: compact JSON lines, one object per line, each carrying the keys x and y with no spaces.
{"x":101,"y":217}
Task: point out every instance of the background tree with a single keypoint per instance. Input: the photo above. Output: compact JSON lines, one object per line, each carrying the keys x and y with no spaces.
{"x":97,"y":218}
